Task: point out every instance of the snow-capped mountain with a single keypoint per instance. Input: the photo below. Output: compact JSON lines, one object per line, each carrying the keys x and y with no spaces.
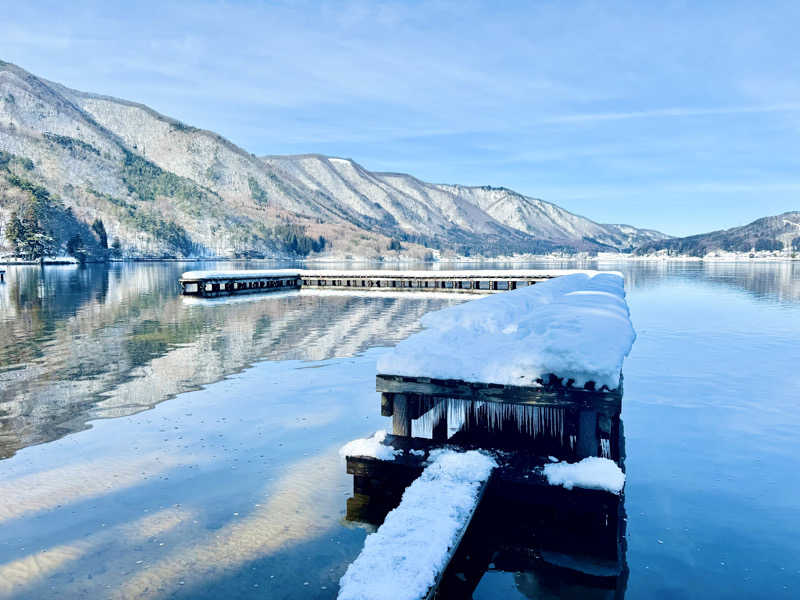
{"x":164,"y":188}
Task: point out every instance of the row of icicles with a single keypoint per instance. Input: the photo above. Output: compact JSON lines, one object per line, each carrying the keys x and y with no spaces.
{"x":530,"y":420}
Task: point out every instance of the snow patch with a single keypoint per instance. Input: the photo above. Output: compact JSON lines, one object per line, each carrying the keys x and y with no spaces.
{"x":371,"y":446}
{"x":575,"y":326}
{"x":593,"y":473}
{"x":401,"y":559}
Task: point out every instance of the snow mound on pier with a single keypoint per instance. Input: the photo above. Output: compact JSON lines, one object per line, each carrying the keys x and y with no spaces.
{"x":576,"y":326}
{"x":401,"y":560}
{"x":371,"y":446}
{"x":593,"y":473}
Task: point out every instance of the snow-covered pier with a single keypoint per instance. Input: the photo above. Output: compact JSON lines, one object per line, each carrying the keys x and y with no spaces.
{"x":532,"y":378}
{"x":224,"y":283}
{"x":210,"y":284}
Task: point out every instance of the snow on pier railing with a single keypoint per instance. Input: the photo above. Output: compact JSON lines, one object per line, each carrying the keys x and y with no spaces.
{"x":576,"y":327}
{"x":409,"y":552}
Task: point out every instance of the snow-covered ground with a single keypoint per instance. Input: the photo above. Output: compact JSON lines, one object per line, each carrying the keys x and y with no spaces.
{"x":576,"y":326}
{"x":401,"y":560}
{"x":592,"y":473}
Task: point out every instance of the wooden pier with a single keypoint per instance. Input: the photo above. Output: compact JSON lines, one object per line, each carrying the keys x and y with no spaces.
{"x":520,"y":515}
{"x":556,"y":490}
{"x":578,"y":531}
{"x":209,"y":284}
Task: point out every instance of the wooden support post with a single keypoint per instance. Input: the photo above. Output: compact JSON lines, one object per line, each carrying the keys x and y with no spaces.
{"x":387,"y":404}
{"x":401,"y":417}
{"x":440,"y":427}
{"x":588,"y":441}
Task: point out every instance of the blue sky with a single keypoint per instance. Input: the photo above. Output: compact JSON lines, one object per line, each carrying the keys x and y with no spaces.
{"x":680,"y":116}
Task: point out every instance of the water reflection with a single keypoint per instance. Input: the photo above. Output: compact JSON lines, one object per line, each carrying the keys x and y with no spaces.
{"x":87,"y":343}
{"x":209,"y":495}
{"x":710,"y":415}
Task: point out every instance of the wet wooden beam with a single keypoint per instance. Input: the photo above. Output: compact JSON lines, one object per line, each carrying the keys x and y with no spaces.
{"x":546,"y":395}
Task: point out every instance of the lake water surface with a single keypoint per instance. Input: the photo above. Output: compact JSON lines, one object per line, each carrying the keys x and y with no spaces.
{"x":155,"y":447}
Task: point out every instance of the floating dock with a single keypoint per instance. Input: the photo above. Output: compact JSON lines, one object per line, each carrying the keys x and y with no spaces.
{"x":210,"y":284}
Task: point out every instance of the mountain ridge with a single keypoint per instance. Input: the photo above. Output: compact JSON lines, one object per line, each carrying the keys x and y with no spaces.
{"x":774,"y":233}
{"x":165,"y":188}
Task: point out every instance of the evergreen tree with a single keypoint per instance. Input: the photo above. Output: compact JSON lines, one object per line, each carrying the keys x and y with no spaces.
{"x":100,"y":230}
{"x":36,"y":242}
{"x":15,"y":232}
{"x":116,"y":248}
{"x":76,"y":249}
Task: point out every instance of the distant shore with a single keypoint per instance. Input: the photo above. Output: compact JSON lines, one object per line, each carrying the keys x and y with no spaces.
{"x":602,"y":257}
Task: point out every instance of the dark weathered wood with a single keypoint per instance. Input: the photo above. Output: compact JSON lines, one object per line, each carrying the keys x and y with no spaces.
{"x":214,"y":286}
{"x":543,"y":396}
{"x":466,"y":282}
{"x":401,"y":415}
{"x":588,"y":440}
{"x":387,"y":405}
{"x":518,"y":477}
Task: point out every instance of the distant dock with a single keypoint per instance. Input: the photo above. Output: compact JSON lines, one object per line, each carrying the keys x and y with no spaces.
{"x":210,"y":284}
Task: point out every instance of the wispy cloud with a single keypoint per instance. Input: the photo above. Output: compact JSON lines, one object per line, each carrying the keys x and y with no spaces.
{"x":537,"y":96}
{"x":658,"y":113}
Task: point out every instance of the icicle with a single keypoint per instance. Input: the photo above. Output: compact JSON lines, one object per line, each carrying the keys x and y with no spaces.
{"x":605,"y":448}
{"x":423,"y":426}
{"x":534,"y":421}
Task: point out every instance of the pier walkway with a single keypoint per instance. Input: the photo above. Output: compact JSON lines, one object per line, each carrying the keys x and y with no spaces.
{"x":210,"y":284}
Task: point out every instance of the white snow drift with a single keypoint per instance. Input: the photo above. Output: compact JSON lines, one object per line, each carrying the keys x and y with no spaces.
{"x":576,"y":326}
{"x":400,"y":561}
{"x":371,"y":446}
{"x":593,"y":473}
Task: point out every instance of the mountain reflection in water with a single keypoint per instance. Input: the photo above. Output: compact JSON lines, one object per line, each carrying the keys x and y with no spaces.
{"x":93,"y":342}
{"x":234,"y":488}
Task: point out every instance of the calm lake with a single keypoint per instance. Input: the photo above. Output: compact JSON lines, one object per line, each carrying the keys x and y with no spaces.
{"x":157,"y":447}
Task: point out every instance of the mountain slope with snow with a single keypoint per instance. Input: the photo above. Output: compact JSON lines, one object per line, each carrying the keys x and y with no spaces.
{"x":769,"y":234}
{"x":165,"y":188}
